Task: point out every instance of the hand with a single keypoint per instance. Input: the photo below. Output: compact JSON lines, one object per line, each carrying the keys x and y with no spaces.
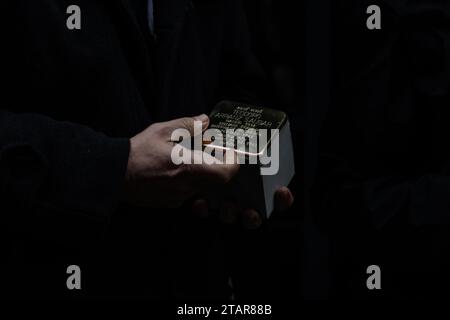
{"x":284,"y":200}
{"x":231,"y":213}
{"x":153,"y":180}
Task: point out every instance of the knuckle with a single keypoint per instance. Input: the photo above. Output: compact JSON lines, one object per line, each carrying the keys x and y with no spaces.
{"x":183,"y":170}
{"x":224,"y":178}
{"x":158,"y":127}
{"x":174,"y":173}
{"x":229,"y":174}
{"x":186,"y":123}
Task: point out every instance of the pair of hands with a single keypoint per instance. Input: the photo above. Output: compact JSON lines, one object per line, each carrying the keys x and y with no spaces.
{"x":153,"y":180}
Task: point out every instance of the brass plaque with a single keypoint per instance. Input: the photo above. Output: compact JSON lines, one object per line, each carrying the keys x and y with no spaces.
{"x":239,"y":118}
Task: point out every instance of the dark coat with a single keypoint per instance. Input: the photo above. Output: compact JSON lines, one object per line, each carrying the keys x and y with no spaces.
{"x":71,"y":100}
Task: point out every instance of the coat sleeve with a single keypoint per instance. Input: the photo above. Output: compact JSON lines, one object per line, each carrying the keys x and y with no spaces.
{"x":60,"y":164}
{"x":64,"y":166}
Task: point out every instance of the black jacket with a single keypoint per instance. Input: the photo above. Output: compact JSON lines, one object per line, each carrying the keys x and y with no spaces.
{"x":71,"y":99}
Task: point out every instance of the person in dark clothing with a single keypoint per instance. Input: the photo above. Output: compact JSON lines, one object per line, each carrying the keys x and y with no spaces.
{"x":383,"y":190}
{"x":84,"y":125}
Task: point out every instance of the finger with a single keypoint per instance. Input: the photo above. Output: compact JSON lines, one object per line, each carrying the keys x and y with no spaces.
{"x":217,"y":174}
{"x":190,"y":124}
{"x":231,"y":157}
{"x":200,"y":208}
{"x":212,"y":172}
{"x":251,"y":219}
{"x":283,"y":199}
{"x":228,"y":213}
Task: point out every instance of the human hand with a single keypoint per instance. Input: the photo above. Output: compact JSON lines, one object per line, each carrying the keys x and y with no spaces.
{"x":231,"y":213}
{"x":153,"y":180}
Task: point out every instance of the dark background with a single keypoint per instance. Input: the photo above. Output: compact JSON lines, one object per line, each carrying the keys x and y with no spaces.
{"x":377,"y":156}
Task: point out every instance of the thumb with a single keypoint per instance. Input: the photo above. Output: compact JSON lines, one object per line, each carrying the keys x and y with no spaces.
{"x":189,"y":123}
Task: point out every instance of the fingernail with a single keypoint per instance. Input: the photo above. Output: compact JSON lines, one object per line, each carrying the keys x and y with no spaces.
{"x":283,"y":201}
{"x":203,"y":118}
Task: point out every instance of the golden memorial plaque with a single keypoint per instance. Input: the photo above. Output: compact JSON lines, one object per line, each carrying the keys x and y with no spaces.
{"x":261,"y":139}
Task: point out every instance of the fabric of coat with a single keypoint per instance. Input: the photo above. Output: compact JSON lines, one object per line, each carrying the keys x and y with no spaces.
{"x":71,"y":100}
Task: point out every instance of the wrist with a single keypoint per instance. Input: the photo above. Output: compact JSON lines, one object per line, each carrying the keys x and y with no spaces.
{"x":131,"y":165}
